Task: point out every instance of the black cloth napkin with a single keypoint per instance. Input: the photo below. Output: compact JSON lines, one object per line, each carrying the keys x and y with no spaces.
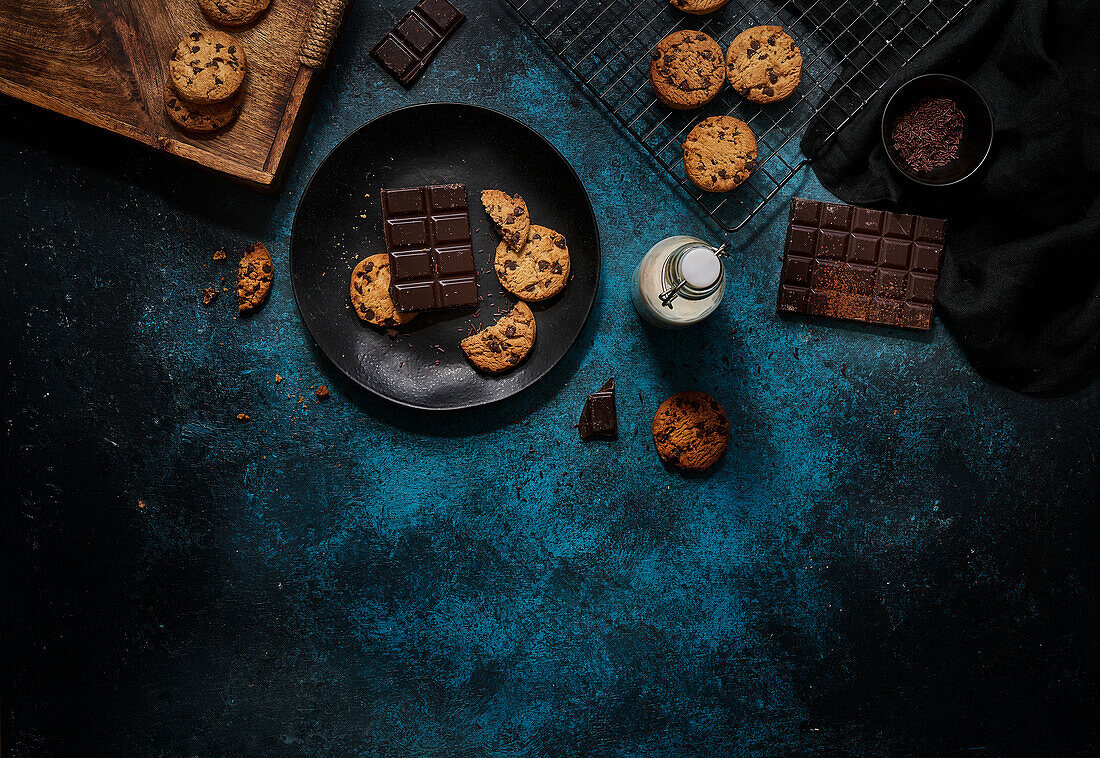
{"x":1020,"y":285}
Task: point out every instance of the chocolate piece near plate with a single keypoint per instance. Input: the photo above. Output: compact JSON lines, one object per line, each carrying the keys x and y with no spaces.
{"x":427,"y":232}
{"x":598,"y":419}
{"x":861,"y":264}
{"x":407,"y":49}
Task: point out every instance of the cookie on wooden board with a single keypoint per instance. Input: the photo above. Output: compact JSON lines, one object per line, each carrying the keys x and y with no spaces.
{"x":233,"y":12}
{"x":719,"y":153}
{"x":199,"y":118}
{"x":370,"y":293}
{"x":255,"y":273}
{"x":539,"y":270}
{"x":503,"y":345}
{"x":207,"y":67}
{"x":764,"y":64}
{"x":509,"y":215}
{"x":691,"y":431}
{"x":687,"y":69}
{"x":698,"y":7}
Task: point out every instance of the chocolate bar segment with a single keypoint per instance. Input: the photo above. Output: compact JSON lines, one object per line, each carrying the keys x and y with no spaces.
{"x":407,"y":49}
{"x":599,"y":419}
{"x":861,"y":264}
{"x":427,"y":231}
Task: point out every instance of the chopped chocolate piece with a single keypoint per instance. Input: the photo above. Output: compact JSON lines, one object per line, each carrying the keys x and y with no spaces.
{"x":427,"y":232}
{"x":407,"y":49}
{"x":861,"y":264}
{"x":598,"y":419}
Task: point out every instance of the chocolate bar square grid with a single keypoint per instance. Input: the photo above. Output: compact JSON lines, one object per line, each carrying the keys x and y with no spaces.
{"x":427,"y":231}
{"x":861,"y":264}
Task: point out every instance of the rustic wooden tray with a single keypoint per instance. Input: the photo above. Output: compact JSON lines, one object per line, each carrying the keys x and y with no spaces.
{"x":105,"y":62}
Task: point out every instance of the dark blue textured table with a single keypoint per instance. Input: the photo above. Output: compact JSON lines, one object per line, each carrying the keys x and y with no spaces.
{"x":894,"y":558}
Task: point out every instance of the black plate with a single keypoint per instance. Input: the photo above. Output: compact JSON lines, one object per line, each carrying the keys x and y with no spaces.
{"x":338,"y":222}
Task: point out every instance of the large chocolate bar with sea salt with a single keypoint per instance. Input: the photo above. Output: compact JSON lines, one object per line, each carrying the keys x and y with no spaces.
{"x":427,"y":232}
{"x":861,"y":264}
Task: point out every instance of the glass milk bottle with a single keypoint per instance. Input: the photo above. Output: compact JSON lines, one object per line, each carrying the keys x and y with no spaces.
{"x":679,"y":282}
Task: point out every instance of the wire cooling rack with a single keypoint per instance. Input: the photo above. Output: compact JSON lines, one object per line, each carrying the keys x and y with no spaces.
{"x":850,"y":48}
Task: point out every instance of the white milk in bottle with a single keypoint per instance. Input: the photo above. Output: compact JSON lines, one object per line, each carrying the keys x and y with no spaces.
{"x":679,"y":282}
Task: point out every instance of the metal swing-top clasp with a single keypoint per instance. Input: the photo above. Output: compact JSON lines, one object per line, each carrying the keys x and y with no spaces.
{"x":666,"y":297}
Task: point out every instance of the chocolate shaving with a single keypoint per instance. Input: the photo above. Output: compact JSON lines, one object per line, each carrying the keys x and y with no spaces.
{"x":928,"y":133}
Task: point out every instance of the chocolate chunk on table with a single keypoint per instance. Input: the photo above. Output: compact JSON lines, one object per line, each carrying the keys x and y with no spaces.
{"x":407,"y":49}
{"x":861,"y":264}
{"x":427,"y":232}
{"x":598,"y":419}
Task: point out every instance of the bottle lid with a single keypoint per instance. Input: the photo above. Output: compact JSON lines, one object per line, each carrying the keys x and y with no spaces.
{"x":700,"y":267}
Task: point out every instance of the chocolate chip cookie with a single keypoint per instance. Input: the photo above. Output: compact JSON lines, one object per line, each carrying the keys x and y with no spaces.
{"x":763,"y":64}
{"x":233,"y":12}
{"x":199,"y":118}
{"x":719,"y":153}
{"x":691,"y":431}
{"x":539,"y":270}
{"x":504,"y":344}
{"x":370,"y":293}
{"x":687,"y":69}
{"x":698,"y":7}
{"x":509,"y":215}
{"x":207,"y":67}
{"x":255,"y":273}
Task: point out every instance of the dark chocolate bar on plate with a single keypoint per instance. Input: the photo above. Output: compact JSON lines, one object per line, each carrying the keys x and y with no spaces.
{"x":427,"y":232}
{"x":861,"y":264}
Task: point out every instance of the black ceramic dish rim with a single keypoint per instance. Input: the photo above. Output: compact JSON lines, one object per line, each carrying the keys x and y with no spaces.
{"x":884,"y":130}
{"x":465,"y":406}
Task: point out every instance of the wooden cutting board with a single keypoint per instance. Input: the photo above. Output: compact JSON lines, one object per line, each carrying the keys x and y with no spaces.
{"x":105,"y":62}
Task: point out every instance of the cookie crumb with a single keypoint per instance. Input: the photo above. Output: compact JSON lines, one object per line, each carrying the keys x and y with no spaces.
{"x":255,"y":273}
{"x":141,"y":503}
{"x":321,"y":392}
{"x":243,"y":417}
{"x":209,"y":295}
{"x":219,"y":254}
{"x":278,"y":378}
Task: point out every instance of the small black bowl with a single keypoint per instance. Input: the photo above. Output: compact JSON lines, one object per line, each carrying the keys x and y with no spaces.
{"x":977,"y":138}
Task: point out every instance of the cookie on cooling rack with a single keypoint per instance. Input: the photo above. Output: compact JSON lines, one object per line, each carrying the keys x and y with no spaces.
{"x":698,"y":7}
{"x":687,"y":69}
{"x":764,"y":64}
{"x":719,"y":153}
